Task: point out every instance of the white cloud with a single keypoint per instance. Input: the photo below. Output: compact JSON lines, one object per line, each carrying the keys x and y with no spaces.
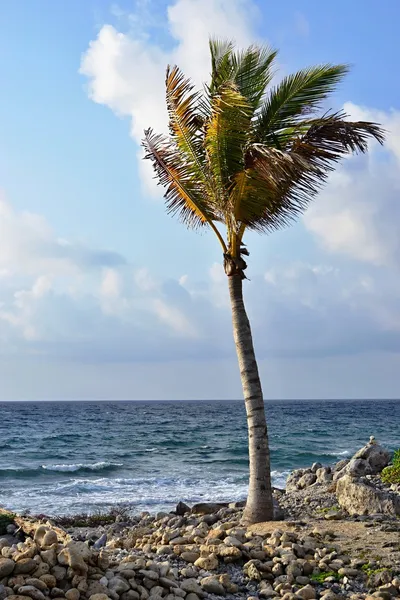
{"x":358,"y":212}
{"x":126,"y":71}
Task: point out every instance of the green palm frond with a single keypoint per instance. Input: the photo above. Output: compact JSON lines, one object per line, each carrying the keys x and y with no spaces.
{"x":251,"y":70}
{"x":225,"y":136}
{"x":184,"y":195}
{"x":287,"y":182}
{"x":297,"y":95}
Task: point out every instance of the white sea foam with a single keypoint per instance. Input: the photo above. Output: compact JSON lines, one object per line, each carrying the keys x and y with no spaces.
{"x":98,"y":466}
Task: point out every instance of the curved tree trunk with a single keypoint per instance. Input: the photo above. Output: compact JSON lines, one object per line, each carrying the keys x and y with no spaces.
{"x":259,"y":506}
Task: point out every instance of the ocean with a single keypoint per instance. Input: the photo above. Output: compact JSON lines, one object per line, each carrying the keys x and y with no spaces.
{"x":67,"y":457}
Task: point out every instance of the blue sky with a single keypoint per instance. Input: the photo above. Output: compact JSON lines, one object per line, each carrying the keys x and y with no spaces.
{"x":102,"y":295}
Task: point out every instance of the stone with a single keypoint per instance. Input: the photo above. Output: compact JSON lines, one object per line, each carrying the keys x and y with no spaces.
{"x":118,"y":585}
{"x":31,"y":591}
{"x":6,"y":567}
{"x":25,"y":566}
{"x":49,"y":538}
{"x":306,"y":480}
{"x":207,"y":508}
{"x":211,"y":585}
{"x":59,"y":572}
{"x":229,"y":552}
{"x":190,"y":557}
{"x":359,"y":498}
{"x":358,"y":467}
{"x":37,"y":583}
{"x":208,"y":563}
{"x":72,"y":594}
{"x":98,"y":597}
{"x":232,"y":541}
{"x":191,"y":586}
{"x":324,"y":475}
{"x":377,"y":457}
{"x":49,"y":556}
{"x":315,"y":467}
{"x":306,"y":593}
{"x":49,"y":580}
{"x":181,"y":509}
{"x":100,"y":542}
{"x":3,"y":592}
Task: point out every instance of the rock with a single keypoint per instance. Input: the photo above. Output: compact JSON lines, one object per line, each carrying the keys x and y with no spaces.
{"x":315,"y":467}
{"x":358,"y":467}
{"x":207,"y":508}
{"x":229,"y":552}
{"x":253,"y":573}
{"x":359,"y":498}
{"x":190,"y":557}
{"x":306,"y":480}
{"x":191,"y":586}
{"x":31,"y":591}
{"x":25,"y":566}
{"x":49,"y":580}
{"x":49,"y":538}
{"x":211,"y":585}
{"x":324,"y":475}
{"x":72,"y":594}
{"x":292,"y":480}
{"x":6,"y":567}
{"x":37,"y":583}
{"x":232,"y":541}
{"x":58,"y":572}
{"x":100,"y":542}
{"x":208,"y":563}
{"x":377,"y":457}
{"x":306,"y":593}
{"x":74,"y":555}
{"x":49,"y":557}
{"x":181,"y":509}
{"x":118,"y":585}
{"x":3,"y":592}
{"x":98,"y":597}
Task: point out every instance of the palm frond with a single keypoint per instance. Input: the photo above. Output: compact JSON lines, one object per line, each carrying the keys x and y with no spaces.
{"x":185,"y":124}
{"x":225,"y":137}
{"x":253,"y":71}
{"x":184,"y":195}
{"x":286,"y":182}
{"x":297,"y":95}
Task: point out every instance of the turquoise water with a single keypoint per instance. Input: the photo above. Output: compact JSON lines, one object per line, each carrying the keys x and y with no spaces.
{"x":64,"y":457}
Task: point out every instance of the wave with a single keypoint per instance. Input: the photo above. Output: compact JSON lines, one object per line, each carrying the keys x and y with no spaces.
{"x":62,"y":468}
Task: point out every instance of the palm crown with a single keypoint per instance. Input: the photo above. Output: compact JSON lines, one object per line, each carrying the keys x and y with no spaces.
{"x":248,"y":154}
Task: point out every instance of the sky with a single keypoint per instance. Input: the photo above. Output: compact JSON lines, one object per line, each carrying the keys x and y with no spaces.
{"x":105,"y":296}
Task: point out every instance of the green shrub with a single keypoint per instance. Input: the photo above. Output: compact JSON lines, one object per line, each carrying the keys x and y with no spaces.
{"x":391,"y":474}
{"x":5,"y":519}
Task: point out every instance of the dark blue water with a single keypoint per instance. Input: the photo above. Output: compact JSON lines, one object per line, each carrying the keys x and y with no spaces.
{"x":65,"y":457}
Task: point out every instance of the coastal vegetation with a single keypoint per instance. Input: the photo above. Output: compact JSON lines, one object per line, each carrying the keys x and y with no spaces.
{"x":245,"y":155}
{"x":391,"y":474}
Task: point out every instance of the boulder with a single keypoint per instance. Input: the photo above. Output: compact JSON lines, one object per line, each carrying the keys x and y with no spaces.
{"x":181,"y":509}
{"x":207,"y":508}
{"x":362,"y":498}
{"x":376,"y":456}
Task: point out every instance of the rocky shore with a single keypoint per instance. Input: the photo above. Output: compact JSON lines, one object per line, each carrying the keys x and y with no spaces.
{"x":337,"y":536}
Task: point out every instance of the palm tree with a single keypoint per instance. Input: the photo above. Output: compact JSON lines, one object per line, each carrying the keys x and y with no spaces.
{"x":246,"y":155}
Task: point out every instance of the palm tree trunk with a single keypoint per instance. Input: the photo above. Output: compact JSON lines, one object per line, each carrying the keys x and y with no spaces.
{"x":259,"y":505}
